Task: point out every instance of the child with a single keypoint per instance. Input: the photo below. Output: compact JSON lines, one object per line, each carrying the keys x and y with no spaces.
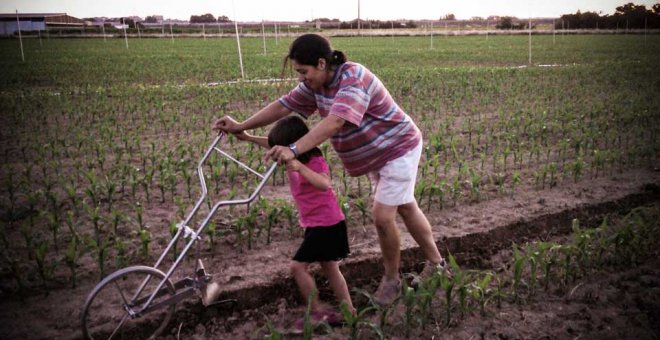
{"x":325,"y":239}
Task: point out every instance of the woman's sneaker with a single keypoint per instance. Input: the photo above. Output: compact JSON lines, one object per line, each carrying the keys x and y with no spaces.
{"x":388,"y":291}
{"x":429,"y":270}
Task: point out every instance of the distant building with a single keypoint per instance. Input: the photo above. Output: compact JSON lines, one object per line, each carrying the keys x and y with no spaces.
{"x":36,"y":22}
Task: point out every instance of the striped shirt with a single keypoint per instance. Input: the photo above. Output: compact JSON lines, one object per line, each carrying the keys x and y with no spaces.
{"x":376,"y":129}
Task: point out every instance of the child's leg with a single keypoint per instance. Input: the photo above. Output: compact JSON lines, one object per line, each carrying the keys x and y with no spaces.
{"x":337,"y":283}
{"x":305,"y":282}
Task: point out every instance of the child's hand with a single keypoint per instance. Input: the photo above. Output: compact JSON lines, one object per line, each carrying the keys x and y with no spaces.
{"x":242,"y":135}
{"x":293,"y":165}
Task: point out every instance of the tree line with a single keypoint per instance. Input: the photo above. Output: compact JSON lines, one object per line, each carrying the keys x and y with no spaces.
{"x":629,"y":16}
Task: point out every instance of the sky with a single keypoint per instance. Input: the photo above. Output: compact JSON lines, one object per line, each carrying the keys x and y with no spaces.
{"x":301,"y":10}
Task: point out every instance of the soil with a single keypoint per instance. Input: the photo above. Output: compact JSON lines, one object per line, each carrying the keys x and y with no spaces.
{"x":618,"y":304}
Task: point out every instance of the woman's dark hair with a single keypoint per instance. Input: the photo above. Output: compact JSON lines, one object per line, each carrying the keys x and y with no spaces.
{"x":307,"y":49}
{"x":287,"y":131}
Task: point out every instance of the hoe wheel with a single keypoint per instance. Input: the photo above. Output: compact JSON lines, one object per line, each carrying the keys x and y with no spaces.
{"x":105,"y":314}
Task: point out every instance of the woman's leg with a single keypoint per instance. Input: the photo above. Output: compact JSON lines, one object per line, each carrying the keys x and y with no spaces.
{"x":388,"y":237}
{"x":305,"y":282}
{"x":420,"y":229}
{"x":337,"y":283}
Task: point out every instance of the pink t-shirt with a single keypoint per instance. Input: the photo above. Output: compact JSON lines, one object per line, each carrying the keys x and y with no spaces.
{"x":317,"y":208}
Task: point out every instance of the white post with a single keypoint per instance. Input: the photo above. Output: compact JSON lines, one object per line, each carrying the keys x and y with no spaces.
{"x":530,"y":41}
{"x":358,"y":20}
{"x":138,"y":29}
{"x":203,"y":32}
{"x":446,"y":32}
{"x":263,"y":34}
{"x":431,"y":34}
{"x":40,"y":43}
{"x":553,"y":31}
{"x":392,"y":22}
{"x":123,"y":25}
{"x":171,"y":33}
{"x":487,"y":28}
{"x":276,"y":35}
{"x":103,"y":30}
{"x":20,"y":38}
{"x":238,"y":42}
{"x":162,"y":29}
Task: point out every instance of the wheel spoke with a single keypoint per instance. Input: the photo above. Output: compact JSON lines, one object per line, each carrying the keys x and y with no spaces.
{"x":121,"y":323}
{"x":121,"y":293}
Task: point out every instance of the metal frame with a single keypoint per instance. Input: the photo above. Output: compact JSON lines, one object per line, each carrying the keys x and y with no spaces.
{"x":187,"y":286}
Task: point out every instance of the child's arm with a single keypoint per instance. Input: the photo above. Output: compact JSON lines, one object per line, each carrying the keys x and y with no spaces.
{"x":261,"y":141}
{"x":320,"y":181}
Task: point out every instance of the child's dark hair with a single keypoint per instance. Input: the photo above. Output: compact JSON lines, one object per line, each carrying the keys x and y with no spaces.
{"x":287,"y":131}
{"x":307,"y":49}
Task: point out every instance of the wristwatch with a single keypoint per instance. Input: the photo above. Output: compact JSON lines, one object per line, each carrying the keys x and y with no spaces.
{"x":294,"y":149}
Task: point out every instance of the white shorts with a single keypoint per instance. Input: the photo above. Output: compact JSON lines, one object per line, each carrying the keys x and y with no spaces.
{"x":394,"y":183}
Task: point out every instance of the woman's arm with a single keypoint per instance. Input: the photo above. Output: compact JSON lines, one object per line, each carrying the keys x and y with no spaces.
{"x":320,"y":181}
{"x":269,"y":114}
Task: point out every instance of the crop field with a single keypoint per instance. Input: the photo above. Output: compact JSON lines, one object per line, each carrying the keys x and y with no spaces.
{"x":99,"y":144}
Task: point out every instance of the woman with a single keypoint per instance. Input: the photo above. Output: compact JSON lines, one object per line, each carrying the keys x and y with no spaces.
{"x":370,"y":133}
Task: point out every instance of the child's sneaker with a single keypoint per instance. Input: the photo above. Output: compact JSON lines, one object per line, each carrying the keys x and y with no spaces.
{"x":334,"y":319}
{"x":210,"y":294}
{"x":429,"y":270}
{"x":387,"y":291}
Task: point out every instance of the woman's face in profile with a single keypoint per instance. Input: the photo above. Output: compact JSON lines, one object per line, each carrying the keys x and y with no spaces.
{"x":313,"y":76}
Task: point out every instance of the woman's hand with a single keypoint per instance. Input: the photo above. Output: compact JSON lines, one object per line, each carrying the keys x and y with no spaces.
{"x":227,"y":124}
{"x":280,"y":154}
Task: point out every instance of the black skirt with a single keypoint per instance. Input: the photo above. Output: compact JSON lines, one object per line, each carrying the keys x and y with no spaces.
{"x":322,"y":244}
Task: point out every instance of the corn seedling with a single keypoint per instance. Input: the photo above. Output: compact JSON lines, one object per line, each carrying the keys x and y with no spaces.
{"x":353,"y":321}
{"x":100,"y":249}
{"x":71,"y":258}
{"x":382,"y":311}
{"x":95,"y":217}
{"x":272,"y":333}
{"x":145,"y":240}
{"x":53,"y":222}
{"x":425,"y":293}
{"x":362,"y":207}
{"x":211,"y":231}
{"x":308,"y":327}
{"x":568,"y":251}
{"x":518,"y":264}
{"x":480,"y":291}
{"x":44,"y":269}
{"x":26,"y":231}
{"x":447,"y":285}
{"x":409,"y":303}
{"x":271,"y":214}
{"x":120,"y":249}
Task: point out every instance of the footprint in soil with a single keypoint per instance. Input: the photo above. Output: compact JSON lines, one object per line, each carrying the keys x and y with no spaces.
{"x":235,"y":278}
